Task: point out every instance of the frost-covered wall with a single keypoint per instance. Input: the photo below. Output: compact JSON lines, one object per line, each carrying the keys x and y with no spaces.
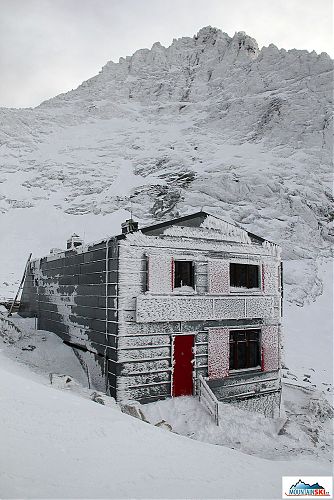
{"x":191,"y":307}
{"x":159,"y":273}
{"x":70,"y":294}
{"x":218,"y":353}
{"x":115,"y":302}
{"x":144,"y":351}
{"x":219,"y":278}
{"x":152,"y":312}
{"x":29,"y":302}
{"x":270,"y":347}
{"x":270,"y":277}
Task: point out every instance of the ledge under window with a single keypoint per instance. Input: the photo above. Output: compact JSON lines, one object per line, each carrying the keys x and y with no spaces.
{"x":184,"y":290}
{"x":242,"y":290}
{"x":242,"y":371}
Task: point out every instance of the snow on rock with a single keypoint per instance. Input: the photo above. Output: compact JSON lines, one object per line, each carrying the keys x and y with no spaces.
{"x":302,"y":281}
{"x":308,"y":333}
{"x":211,"y":121}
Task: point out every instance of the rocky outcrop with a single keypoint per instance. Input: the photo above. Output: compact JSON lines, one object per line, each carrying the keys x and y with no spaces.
{"x":211,"y":121}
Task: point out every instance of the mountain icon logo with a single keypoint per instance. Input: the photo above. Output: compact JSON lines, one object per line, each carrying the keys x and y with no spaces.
{"x":303,"y":489}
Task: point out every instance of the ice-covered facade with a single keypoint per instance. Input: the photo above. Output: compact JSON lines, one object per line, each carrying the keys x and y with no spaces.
{"x":156,"y":312}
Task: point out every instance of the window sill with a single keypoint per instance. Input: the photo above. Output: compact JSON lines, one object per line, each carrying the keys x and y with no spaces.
{"x":184,"y":291}
{"x":240,"y":371}
{"x":246,"y":291}
{"x":175,"y":292}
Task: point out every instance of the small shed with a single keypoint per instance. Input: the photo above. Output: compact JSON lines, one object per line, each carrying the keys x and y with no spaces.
{"x":188,"y":306}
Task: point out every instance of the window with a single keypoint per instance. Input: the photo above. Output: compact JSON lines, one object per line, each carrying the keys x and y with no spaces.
{"x":244,"y":276}
{"x":244,"y":349}
{"x":183,"y":273}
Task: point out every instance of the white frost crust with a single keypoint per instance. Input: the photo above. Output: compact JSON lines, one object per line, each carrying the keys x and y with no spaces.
{"x":179,"y":243}
{"x":150,"y":308}
{"x":232,"y":232}
{"x":209,"y":233}
{"x":270,"y":347}
{"x":218,"y":353}
{"x":160,"y":273}
{"x":270,"y":278}
{"x":219,"y":276}
{"x":273,"y":249}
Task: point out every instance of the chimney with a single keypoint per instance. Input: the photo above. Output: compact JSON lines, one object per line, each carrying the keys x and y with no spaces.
{"x":74,"y":241}
{"x":54,"y":251}
{"x":129,"y":226}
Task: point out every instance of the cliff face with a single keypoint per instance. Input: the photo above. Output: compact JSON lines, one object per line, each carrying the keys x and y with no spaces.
{"x":210,"y":121}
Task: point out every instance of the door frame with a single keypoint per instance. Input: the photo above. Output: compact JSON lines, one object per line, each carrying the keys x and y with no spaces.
{"x":182,"y":334}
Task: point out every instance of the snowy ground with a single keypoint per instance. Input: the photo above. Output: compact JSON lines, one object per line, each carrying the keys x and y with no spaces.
{"x":58,"y":445}
{"x":57,"y":442}
{"x":309,"y":335}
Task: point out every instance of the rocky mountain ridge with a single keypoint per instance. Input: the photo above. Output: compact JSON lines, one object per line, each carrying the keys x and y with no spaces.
{"x":210,"y":122}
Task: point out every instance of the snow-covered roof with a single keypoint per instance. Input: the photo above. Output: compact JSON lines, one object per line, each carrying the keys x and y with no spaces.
{"x":204,"y":220}
{"x":182,"y":227}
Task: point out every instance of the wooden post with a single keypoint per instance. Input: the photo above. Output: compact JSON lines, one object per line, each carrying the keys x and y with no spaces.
{"x":21,"y":286}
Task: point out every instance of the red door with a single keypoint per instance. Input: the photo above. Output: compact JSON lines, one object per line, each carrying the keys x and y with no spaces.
{"x":183,"y":368}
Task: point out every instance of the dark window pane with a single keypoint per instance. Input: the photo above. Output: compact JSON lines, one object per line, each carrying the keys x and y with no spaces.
{"x":146,"y":286}
{"x":239,"y":334}
{"x":252,"y":276}
{"x":244,"y":349}
{"x":253,"y":334}
{"x":244,"y":275}
{"x":232,"y":355}
{"x":184,"y":273}
{"x":253,"y":354}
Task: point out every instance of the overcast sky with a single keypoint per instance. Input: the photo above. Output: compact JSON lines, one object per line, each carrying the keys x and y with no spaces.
{"x":51,"y":46}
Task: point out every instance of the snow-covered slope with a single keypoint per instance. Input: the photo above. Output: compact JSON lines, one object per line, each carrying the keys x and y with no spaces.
{"x":210,"y":121}
{"x":57,"y":443}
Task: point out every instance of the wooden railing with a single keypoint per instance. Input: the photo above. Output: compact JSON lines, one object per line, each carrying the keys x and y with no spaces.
{"x":213,"y":394}
{"x":208,"y":399}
